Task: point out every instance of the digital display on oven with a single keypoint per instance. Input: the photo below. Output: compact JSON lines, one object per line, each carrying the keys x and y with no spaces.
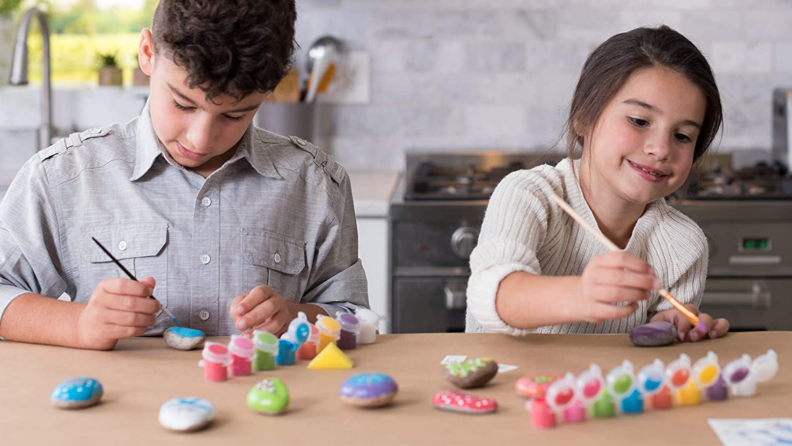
{"x":755,"y":244}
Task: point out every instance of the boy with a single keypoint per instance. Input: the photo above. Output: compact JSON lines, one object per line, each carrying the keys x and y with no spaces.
{"x":240,"y":227}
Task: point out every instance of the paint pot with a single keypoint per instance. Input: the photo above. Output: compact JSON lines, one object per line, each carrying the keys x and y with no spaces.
{"x":350,"y":327}
{"x":542,"y":415}
{"x":662,"y":399}
{"x":329,"y":331}
{"x":603,"y":407}
{"x":633,"y":403}
{"x":718,"y":391}
{"x":575,"y":413}
{"x":369,"y":322}
{"x":242,"y":353}
{"x":308,"y":350}
{"x":286,"y":351}
{"x":216,"y":360}
{"x":266,"y":345}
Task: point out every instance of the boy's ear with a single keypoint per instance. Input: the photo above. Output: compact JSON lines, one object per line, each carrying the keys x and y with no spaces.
{"x":146,"y":52}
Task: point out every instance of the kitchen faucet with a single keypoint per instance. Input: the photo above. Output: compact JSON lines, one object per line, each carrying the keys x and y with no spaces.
{"x":19,"y":69}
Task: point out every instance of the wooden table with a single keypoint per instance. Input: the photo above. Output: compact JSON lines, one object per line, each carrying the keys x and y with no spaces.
{"x":141,"y":374}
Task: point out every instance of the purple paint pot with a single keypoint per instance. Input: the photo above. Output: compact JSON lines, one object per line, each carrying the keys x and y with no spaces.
{"x":718,"y":391}
{"x":739,"y":375}
{"x":350,"y":327}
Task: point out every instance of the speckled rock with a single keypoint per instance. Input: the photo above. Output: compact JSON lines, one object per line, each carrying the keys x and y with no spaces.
{"x":183,"y":338}
{"x":471,"y":373}
{"x":462,"y":402}
{"x":653,"y":334}
{"x":186,"y":414}
{"x":369,"y":390}
{"x":77,"y":393}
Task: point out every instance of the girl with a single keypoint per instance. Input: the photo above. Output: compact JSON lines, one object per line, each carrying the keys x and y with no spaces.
{"x":645,"y":109}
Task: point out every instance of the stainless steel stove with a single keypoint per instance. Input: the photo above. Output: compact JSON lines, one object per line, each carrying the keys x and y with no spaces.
{"x":439,"y":205}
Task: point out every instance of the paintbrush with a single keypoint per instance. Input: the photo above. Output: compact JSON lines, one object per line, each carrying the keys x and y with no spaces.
{"x":612,"y":246}
{"x":126,"y":271}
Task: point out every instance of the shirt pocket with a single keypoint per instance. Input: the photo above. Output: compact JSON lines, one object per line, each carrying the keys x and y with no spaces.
{"x":272,"y":259}
{"x":140,"y":247}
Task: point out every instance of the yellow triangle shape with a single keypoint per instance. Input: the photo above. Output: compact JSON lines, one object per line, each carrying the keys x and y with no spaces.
{"x":330,"y":358}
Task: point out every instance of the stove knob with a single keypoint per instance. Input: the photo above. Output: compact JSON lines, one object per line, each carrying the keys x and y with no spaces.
{"x":463,"y":241}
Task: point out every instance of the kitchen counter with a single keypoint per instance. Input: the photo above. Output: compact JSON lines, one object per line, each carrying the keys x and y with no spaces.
{"x":141,"y":374}
{"x":372,"y":190}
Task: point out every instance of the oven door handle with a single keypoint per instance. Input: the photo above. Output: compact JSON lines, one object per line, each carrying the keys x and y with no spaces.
{"x":757,"y":299}
{"x":455,"y":299}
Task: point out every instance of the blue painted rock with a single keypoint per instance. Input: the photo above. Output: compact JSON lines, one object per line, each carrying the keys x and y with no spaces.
{"x":653,"y":334}
{"x":369,"y":390}
{"x":186,"y":414}
{"x":183,"y":338}
{"x":76,"y":393}
{"x":270,"y":396}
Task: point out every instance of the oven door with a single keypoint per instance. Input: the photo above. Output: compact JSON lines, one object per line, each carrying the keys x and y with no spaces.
{"x":429,"y":305}
{"x":750,"y":304}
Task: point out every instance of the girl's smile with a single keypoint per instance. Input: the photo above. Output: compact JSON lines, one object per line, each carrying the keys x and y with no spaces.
{"x":648,"y":173}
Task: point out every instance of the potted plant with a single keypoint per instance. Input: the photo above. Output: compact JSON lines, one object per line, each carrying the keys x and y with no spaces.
{"x":109,"y":71}
{"x":7,"y":28}
{"x":139,"y":78}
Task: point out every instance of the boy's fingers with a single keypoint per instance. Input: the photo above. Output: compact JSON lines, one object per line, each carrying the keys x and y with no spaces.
{"x":149,"y":281}
{"x":272,"y":325}
{"x":127,"y":319}
{"x":112,"y":331}
{"x":253,"y":299}
{"x":132,"y":304}
{"x":258,"y":315}
{"x":235,"y":310}
{"x":127,"y":287}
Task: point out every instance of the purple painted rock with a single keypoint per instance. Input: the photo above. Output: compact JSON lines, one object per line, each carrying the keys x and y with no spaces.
{"x":653,"y":334}
{"x":369,"y":390}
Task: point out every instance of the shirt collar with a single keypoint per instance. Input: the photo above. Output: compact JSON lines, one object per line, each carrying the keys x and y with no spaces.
{"x":254,"y":147}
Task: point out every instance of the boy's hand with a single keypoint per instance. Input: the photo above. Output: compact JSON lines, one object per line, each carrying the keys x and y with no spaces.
{"x":609,"y":279}
{"x":263,"y":309}
{"x":119,"y":308}
{"x":714,"y":328}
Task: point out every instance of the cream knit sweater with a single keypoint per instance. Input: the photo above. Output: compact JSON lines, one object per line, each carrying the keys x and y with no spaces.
{"x":524,"y":230}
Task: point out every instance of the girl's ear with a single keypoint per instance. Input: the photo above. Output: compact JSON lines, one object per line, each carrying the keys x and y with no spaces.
{"x":580,"y":131}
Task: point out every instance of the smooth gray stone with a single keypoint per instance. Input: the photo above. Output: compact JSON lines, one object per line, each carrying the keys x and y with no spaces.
{"x":653,"y":334}
{"x":183,"y":338}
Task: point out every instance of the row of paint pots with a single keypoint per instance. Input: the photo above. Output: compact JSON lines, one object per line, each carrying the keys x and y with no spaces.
{"x":303,"y":340}
{"x":591,"y":394}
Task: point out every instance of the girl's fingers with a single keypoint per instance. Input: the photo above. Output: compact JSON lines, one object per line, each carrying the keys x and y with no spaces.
{"x":719,"y":328}
{"x":696,"y":334}
{"x":612,"y":294}
{"x":622,"y":260}
{"x":682,"y":324}
{"x":604,"y":311}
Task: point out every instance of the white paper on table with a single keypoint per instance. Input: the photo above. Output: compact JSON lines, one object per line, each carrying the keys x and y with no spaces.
{"x":450,"y":359}
{"x":753,"y":432}
{"x":503,"y":368}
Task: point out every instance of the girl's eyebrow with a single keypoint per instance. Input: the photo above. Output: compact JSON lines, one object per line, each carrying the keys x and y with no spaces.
{"x":654,"y":109}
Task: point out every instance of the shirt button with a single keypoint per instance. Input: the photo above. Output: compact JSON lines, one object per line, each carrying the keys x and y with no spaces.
{"x":276,"y":258}
{"x":204,"y":315}
{"x":96,"y":130}
{"x":123,"y":245}
{"x":300,"y":141}
{"x":205,"y":259}
{"x":206,"y":202}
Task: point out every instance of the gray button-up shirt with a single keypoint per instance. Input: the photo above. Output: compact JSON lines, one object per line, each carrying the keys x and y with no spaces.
{"x":279,"y":213}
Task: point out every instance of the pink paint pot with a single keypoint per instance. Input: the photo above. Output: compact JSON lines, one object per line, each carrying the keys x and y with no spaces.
{"x":542,"y":415}
{"x":308,"y":350}
{"x":216,"y":359}
{"x":574,"y":413}
{"x":242,"y":351}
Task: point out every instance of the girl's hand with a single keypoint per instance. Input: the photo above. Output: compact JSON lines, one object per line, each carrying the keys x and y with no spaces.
{"x":615,"y":277}
{"x":685,"y":332}
{"x":262,"y":309}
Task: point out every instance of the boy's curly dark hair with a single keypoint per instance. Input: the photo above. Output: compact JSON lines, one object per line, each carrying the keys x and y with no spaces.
{"x":228,"y":47}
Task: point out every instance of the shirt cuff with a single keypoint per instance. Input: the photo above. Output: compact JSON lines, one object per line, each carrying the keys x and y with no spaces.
{"x":333,"y":309}
{"x":482,"y":291}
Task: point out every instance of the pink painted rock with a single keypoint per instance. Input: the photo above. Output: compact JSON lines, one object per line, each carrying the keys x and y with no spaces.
{"x":653,"y":334}
{"x":463,"y":402}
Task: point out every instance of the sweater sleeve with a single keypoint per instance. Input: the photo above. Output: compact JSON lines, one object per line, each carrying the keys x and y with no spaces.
{"x":684,"y":262}
{"x":515,"y":225}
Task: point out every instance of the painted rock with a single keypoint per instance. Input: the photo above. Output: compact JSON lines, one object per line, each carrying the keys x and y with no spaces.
{"x":462,"y":402}
{"x":76,"y":393}
{"x":535,"y":386}
{"x":369,"y":390}
{"x":183,"y":338}
{"x":186,"y":414}
{"x":653,"y":334}
{"x":269,"y":396}
{"x":471,"y":373}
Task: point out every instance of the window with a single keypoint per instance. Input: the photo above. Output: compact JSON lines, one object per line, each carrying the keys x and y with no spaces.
{"x":82,"y":30}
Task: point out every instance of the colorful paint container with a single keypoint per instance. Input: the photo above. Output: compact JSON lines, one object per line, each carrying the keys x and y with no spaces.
{"x":542,"y":415}
{"x":242,"y":353}
{"x":266,"y":345}
{"x":329,"y":331}
{"x":718,"y":391}
{"x":350,"y":327}
{"x":706,"y":371}
{"x":690,"y":395}
{"x":603,"y":407}
{"x":308,"y":349}
{"x":216,"y":359}
{"x":662,"y":399}
{"x":633,"y":403}
{"x":650,"y":378}
{"x":286,"y":350}
{"x":369,"y":323}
